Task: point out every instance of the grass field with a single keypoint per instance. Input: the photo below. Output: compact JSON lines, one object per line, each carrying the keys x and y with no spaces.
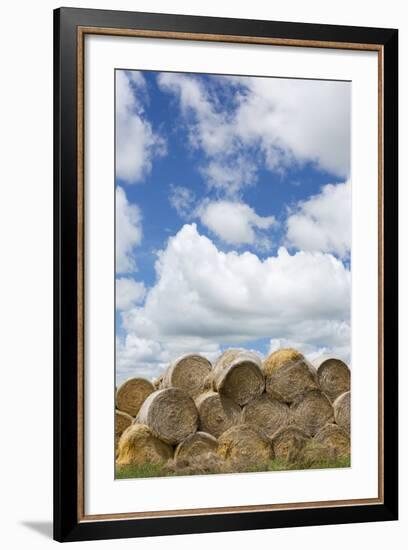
{"x":155,"y":470}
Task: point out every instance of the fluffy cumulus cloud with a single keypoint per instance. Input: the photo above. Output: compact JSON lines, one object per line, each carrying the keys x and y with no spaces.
{"x":234,"y":299}
{"x":271,"y":122}
{"x":235,"y":223}
{"x":128,"y":293}
{"x":323,"y":222}
{"x":136,"y":142}
{"x":128,"y":232}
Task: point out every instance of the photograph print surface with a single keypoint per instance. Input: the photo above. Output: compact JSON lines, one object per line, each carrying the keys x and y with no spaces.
{"x":232,"y":274}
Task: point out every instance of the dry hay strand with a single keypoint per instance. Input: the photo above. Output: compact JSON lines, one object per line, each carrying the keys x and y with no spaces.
{"x":288,"y":374}
{"x":334,"y":437}
{"x":288,"y":443}
{"x":196,"y":445}
{"x":138,"y":445}
{"x":311,"y":411}
{"x":207,"y":463}
{"x":217,"y":413}
{"x":171,"y":415}
{"x":239,"y":376}
{"x":245,"y":446}
{"x":342,"y":411}
{"x":333,"y":375}
{"x":132,"y":393}
{"x":188,"y":373}
{"x":266,"y":413}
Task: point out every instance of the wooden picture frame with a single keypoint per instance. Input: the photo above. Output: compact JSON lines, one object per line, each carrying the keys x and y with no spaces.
{"x":70,"y":28}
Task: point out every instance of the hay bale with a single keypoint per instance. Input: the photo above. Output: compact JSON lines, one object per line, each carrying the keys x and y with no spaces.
{"x":138,"y":445}
{"x":288,"y":443}
{"x":311,"y":411}
{"x":334,"y":437}
{"x":217,"y":413}
{"x":288,"y":374}
{"x":122,"y":421}
{"x":195,"y":445}
{"x":266,"y":413}
{"x":132,"y":393}
{"x":171,"y":415}
{"x":316,"y":455}
{"x":189,"y":373}
{"x":239,"y":376}
{"x":342,"y":411}
{"x":333,"y":375}
{"x":207,"y":463}
{"x":245,"y":447}
{"x":226,"y":358}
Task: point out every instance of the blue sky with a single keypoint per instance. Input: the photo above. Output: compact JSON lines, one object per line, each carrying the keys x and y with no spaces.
{"x":252,"y":176}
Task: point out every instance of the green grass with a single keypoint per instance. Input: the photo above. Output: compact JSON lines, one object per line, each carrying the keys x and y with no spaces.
{"x":155,"y":470}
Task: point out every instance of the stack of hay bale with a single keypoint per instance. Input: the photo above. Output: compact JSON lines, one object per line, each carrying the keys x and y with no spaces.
{"x":236,"y":415}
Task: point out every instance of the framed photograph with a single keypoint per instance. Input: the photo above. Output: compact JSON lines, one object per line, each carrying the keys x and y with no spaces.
{"x":225,"y":274}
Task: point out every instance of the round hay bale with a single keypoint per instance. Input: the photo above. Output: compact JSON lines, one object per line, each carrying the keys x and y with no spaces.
{"x":288,"y":443}
{"x":266,"y":413}
{"x":207,"y":463}
{"x":314,"y":454}
{"x":334,"y":437}
{"x":122,"y":421}
{"x":217,"y":413}
{"x":132,"y":393}
{"x":189,"y":373}
{"x":288,"y":374}
{"x":239,"y":376}
{"x":196,"y":445}
{"x":226,"y":358}
{"x":245,"y":446}
{"x":311,"y":411}
{"x":333,"y":375}
{"x":137,"y":445}
{"x":342,"y":411}
{"x":170,"y":414}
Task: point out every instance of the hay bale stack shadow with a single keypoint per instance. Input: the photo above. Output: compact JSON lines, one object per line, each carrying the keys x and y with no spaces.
{"x":170,"y":414}
{"x":188,"y":373}
{"x":288,"y":374}
{"x":245,"y":447}
{"x":217,"y":413}
{"x":138,"y":445}
{"x":342,"y":411}
{"x":131,"y":395}
{"x":288,"y":443}
{"x":333,"y":375}
{"x":266,"y":413}
{"x":311,"y":411}
{"x":238,"y":375}
{"x":196,"y":445}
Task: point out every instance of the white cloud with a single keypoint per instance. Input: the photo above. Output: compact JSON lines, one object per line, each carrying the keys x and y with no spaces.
{"x":298,"y":120}
{"x":272,"y":122}
{"x":235,"y":299}
{"x":128,"y":232}
{"x":182,"y":199}
{"x":136,"y":143}
{"x":323,"y":222}
{"x":234,"y":222}
{"x":128,"y":293}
